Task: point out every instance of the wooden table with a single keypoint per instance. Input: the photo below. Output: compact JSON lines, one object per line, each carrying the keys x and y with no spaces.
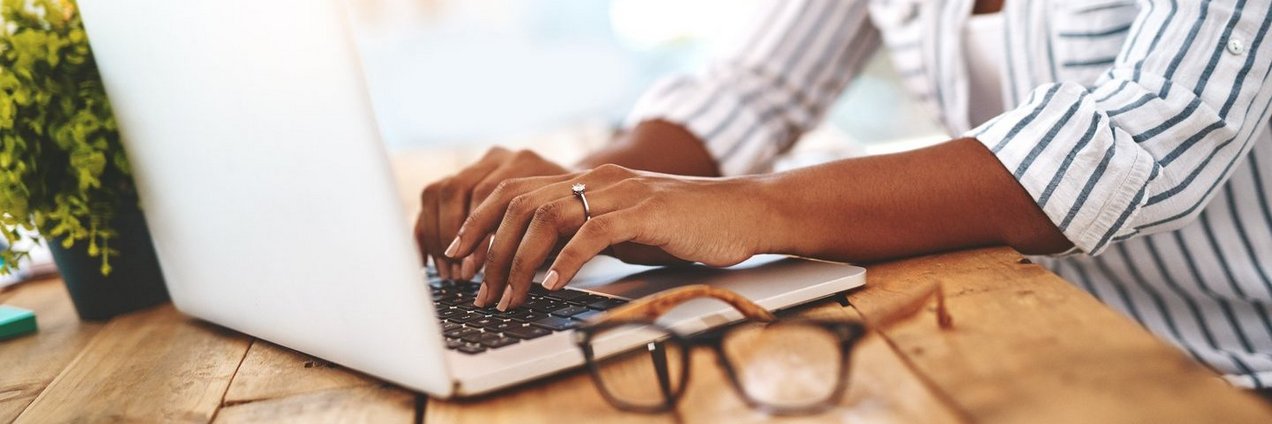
{"x":1026,"y":347}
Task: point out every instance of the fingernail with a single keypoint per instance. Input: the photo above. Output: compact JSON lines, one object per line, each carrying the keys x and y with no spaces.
{"x":454,"y":246}
{"x":507,"y":298}
{"x":550,"y":280}
{"x":481,"y":297}
{"x":469,"y":268}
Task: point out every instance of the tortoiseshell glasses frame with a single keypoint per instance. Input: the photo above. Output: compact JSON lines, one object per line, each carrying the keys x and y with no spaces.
{"x":645,"y":312}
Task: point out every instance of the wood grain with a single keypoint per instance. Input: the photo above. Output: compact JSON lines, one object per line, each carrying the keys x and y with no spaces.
{"x":271,"y":371}
{"x":31,"y":362}
{"x":882,"y":389}
{"x":149,"y":366}
{"x":367,"y":404}
{"x":1028,"y":345}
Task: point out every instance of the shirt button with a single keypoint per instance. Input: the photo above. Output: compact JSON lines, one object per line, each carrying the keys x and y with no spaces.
{"x":1235,"y":46}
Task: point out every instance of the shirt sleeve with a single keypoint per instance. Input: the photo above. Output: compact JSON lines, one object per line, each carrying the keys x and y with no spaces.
{"x":755,"y":99}
{"x":1145,"y":149}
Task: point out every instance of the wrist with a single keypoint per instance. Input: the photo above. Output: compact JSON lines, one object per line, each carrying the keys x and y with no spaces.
{"x":772,"y":218}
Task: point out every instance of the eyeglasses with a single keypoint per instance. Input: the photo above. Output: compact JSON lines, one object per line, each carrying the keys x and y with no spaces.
{"x":779,"y":366}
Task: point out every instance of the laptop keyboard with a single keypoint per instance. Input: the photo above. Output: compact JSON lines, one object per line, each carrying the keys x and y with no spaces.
{"x":474,"y":330}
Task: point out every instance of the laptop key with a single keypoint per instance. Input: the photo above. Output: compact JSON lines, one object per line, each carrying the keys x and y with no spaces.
{"x":486,"y":322}
{"x":471,"y":348}
{"x":448,"y":326}
{"x":569,"y":311}
{"x":508,"y":314}
{"x":567,"y":294}
{"x":499,"y":342}
{"x":466,"y":317}
{"x":454,"y":343}
{"x":524,"y":315}
{"x":544,"y":305}
{"x":447,"y":313}
{"x":460,"y":332}
{"x":507,"y":325}
{"x":586,"y":299}
{"x":556,"y":323}
{"x":606,"y":304}
{"x":479,"y":337}
{"x":584,"y":316}
{"x":527,"y":332}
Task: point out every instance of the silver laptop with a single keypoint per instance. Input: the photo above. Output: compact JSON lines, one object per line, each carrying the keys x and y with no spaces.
{"x":274,"y":211}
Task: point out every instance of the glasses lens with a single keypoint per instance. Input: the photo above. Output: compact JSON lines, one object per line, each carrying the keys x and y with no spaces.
{"x":785,"y":365}
{"x":638,"y":365}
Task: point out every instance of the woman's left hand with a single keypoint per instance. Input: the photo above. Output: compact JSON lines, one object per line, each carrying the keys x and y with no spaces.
{"x":715,"y":221}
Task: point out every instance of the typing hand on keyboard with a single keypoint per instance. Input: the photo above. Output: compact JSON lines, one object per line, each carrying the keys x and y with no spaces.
{"x":685,"y":219}
{"x":471,"y":329}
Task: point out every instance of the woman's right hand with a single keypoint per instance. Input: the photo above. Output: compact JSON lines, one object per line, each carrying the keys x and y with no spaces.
{"x":446,"y":204}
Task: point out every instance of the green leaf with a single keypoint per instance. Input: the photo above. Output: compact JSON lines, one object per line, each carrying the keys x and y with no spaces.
{"x":62,"y":167}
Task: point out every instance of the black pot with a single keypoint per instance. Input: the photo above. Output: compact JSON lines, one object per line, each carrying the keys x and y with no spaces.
{"x":135,"y":281}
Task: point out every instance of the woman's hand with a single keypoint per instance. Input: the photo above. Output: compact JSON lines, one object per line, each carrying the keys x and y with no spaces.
{"x":716,"y":221}
{"x":446,"y":204}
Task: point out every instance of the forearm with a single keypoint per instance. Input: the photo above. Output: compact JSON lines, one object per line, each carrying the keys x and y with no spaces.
{"x":657,"y":146}
{"x":951,"y":196}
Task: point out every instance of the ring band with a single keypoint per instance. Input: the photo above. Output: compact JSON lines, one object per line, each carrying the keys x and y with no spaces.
{"x":578,"y":189}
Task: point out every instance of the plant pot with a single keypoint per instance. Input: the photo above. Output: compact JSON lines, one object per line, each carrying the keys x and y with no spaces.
{"x":135,"y":281}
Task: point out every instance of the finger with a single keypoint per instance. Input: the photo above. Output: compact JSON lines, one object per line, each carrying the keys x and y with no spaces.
{"x":420,"y":237}
{"x":487,"y":216}
{"x":520,"y":164}
{"x":434,"y":226}
{"x":472,"y":263}
{"x":455,"y":194}
{"x":475,"y":260}
{"x":593,"y":238}
{"x":507,"y":237}
{"x":426,"y":227}
{"x":500,"y":180}
{"x":440,"y":205}
{"x":516,"y":217}
{"x":562,"y":216}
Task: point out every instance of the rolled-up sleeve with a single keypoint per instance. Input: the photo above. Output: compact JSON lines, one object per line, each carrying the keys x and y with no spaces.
{"x":755,"y":99}
{"x":1146,"y":148}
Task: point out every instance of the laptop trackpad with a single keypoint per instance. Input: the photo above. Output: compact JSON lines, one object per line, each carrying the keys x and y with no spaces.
{"x":773,"y":281}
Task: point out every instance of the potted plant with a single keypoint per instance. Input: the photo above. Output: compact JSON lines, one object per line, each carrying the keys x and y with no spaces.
{"x":63,"y":172}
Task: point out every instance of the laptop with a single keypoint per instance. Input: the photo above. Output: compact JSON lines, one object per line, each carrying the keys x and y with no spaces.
{"x":273,"y":209}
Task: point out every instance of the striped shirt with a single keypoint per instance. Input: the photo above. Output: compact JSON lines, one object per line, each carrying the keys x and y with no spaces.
{"x":1138,"y":127}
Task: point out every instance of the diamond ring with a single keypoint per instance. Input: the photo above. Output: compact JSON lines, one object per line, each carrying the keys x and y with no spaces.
{"x":578,"y":189}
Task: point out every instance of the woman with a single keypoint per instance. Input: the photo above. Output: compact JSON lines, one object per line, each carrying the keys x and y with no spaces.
{"x":1123,"y":139}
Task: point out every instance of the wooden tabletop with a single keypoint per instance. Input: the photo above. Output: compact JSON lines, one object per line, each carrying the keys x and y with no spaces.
{"x":1025,"y":347}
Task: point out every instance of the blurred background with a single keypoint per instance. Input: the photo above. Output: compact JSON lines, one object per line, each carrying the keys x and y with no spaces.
{"x":451,"y":78}
{"x":516,"y":72}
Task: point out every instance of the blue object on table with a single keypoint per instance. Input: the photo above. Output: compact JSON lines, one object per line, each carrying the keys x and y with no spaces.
{"x":15,"y":322}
